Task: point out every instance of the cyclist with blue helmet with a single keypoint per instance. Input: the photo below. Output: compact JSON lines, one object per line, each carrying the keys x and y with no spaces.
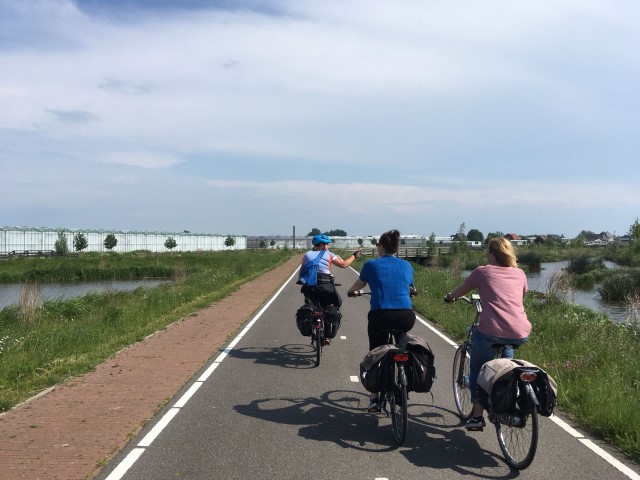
{"x":324,"y":289}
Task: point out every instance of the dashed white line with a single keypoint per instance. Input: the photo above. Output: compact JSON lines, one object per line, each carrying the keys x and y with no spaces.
{"x":155,"y":431}
{"x":125,"y":464}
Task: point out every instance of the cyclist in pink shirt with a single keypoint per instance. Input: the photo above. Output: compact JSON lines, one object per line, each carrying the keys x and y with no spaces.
{"x":502,"y":287}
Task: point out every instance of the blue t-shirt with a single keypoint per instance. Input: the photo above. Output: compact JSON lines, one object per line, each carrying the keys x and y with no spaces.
{"x":389,"y":279}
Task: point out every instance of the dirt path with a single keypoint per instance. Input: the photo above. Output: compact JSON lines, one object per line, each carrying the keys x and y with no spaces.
{"x":70,"y":431}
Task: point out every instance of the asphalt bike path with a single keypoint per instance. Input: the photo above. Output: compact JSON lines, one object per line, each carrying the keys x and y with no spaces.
{"x":262,"y":409}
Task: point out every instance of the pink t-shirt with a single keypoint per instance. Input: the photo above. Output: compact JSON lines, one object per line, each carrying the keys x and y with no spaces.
{"x":502,"y":291}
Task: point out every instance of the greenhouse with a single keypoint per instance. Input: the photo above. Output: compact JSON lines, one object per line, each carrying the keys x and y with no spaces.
{"x":24,"y":240}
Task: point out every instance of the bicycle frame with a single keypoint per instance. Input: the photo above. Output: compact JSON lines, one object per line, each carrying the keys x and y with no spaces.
{"x":517,"y":432}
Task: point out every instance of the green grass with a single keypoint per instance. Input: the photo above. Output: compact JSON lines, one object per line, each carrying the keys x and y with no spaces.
{"x":596,"y":362}
{"x":68,"y":338}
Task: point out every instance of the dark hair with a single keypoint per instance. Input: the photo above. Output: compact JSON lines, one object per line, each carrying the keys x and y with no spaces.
{"x":390,"y":241}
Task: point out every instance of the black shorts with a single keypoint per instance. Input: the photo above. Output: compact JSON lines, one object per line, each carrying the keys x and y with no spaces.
{"x":386,"y":319}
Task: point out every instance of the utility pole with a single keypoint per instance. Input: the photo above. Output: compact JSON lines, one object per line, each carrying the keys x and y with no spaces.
{"x":294,"y":237}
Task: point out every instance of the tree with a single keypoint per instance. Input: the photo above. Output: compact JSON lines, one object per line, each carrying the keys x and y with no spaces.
{"x":337,"y":233}
{"x":229,"y":241}
{"x":374,"y":241}
{"x":588,"y":235}
{"x":263,"y":244}
{"x":491,"y":235}
{"x":360,"y":241}
{"x":80,"y":242}
{"x":110,"y":241}
{"x":475,"y":235}
{"x":272,"y":243}
{"x":314,"y":231}
{"x":461,"y":229}
{"x":431,"y":243}
{"x":634,"y":231}
{"x":61,"y":246}
{"x":171,"y":243}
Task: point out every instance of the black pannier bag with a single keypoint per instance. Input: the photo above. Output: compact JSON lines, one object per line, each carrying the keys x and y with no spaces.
{"x":304,"y":320}
{"x":421,"y":370}
{"x":497,"y":386}
{"x":374,"y":368}
{"x":545,"y":388}
{"x":332,"y":318}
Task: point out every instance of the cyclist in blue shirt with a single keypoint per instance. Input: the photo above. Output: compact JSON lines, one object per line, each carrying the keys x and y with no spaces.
{"x":390,"y":280}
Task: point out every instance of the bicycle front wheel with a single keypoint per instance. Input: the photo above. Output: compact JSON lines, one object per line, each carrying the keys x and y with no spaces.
{"x":518,"y":437}
{"x":398,"y":410}
{"x":461,"y":390}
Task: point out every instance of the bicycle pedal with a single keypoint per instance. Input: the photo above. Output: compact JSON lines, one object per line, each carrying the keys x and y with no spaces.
{"x":474,"y":429}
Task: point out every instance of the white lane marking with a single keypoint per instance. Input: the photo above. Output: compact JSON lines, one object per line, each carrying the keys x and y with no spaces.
{"x":125,"y":464}
{"x":155,"y":431}
{"x":187,"y":395}
{"x":343,"y":337}
{"x":566,"y":427}
{"x":437,"y":332}
{"x":133,"y":456}
{"x":208,"y":371}
{"x":613,"y":461}
{"x":354,"y":378}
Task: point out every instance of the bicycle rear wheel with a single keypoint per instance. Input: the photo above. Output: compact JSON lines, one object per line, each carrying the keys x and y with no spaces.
{"x":319,"y":343}
{"x":461,"y":390}
{"x":398,"y":409}
{"x":518,"y":437}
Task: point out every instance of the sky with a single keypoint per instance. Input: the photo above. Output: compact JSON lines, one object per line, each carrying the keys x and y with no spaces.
{"x":252,"y":117}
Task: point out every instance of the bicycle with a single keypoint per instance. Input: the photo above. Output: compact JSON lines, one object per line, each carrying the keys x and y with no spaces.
{"x":517,"y":432}
{"x":318,"y":338}
{"x":395,"y":394}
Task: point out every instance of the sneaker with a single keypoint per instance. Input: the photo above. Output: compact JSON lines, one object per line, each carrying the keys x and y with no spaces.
{"x":327,"y":341}
{"x":475,"y":424}
{"x":374,"y":407}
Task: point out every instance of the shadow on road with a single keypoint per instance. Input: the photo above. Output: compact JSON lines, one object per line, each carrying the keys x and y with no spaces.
{"x":436,"y":437}
{"x":288,"y":356}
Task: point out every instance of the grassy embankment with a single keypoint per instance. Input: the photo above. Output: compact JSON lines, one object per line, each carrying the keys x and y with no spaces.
{"x":41,"y":345}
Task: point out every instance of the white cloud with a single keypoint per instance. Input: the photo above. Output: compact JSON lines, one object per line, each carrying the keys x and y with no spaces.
{"x":532,"y":105}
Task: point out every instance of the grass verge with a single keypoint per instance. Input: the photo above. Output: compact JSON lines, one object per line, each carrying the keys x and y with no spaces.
{"x":62,"y":339}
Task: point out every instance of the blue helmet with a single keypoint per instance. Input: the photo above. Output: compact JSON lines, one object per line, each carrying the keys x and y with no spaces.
{"x":322,"y":238}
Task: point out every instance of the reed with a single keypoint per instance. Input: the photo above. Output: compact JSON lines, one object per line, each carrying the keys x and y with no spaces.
{"x":29,"y":302}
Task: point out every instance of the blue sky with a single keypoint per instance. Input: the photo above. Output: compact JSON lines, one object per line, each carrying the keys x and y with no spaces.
{"x":251,"y":117}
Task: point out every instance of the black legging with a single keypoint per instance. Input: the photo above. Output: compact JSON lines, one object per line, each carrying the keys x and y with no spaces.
{"x":387,"y":319}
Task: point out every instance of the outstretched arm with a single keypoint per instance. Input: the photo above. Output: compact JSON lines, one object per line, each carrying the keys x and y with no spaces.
{"x":345,"y":263}
{"x":357,"y":285}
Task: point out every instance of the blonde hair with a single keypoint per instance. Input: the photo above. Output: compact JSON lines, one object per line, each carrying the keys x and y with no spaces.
{"x":503,"y":250}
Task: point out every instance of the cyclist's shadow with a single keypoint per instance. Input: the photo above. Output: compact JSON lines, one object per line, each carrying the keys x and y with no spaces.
{"x":319,"y":420}
{"x":294,"y":355}
{"x":435,"y":438}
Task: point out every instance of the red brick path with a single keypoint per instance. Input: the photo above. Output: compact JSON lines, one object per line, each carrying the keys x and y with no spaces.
{"x":68,"y":432}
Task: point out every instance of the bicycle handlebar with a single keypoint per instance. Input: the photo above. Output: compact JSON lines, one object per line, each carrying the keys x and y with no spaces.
{"x":358,"y":293}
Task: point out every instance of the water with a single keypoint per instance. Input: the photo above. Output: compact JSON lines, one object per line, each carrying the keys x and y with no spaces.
{"x":10,"y":292}
{"x":539,"y":281}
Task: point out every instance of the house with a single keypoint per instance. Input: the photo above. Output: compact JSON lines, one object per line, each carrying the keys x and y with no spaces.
{"x":512,"y":236}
